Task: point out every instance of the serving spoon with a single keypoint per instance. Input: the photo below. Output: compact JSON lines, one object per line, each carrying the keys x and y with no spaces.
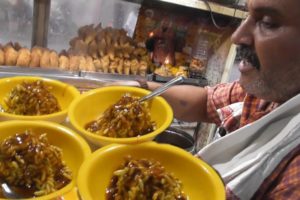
{"x":162,"y":88}
{"x":13,"y":192}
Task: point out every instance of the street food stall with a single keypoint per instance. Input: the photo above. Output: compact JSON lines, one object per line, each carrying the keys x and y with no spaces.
{"x":121,"y":40}
{"x":90,"y":44}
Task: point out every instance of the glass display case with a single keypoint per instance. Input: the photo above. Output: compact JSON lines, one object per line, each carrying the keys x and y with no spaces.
{"x":16,"y":20}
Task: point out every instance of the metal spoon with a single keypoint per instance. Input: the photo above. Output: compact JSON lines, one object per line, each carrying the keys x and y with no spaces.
{"x":9,"y":192}
{"x":14,"y":192}
{"x":163,"y":88}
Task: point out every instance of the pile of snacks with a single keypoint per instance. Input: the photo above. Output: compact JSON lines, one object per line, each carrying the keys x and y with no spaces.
{"x":126,"y":118}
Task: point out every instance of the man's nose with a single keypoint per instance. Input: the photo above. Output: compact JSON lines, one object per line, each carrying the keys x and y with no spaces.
{"x":244,"y":33}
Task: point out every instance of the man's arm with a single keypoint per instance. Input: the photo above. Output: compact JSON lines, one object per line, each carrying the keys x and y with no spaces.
{"x":188,"y":102}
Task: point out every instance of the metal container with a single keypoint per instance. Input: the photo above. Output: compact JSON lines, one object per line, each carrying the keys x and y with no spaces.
{"x":177,"y":138}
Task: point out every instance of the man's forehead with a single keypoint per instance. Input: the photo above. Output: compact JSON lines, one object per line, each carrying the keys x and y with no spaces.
{"x":284,"y":7}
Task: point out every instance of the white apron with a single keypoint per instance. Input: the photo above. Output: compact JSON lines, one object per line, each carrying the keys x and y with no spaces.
{"x":247,"y":156}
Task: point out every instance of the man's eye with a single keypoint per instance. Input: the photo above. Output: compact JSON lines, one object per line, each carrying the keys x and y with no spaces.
{"x":267,"y":23}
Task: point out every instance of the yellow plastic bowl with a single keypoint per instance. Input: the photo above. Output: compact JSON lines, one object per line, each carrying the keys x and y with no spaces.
{"x":200,"y":181}
{"x":64,"y":93}
{"x":92,"y":104}
{"x":75,"y":148}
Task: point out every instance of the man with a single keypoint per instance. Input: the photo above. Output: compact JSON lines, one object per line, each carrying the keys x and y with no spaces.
{"x":260,"y":160}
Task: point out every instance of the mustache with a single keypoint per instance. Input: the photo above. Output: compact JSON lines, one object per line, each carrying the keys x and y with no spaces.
{"x":245,"y":52}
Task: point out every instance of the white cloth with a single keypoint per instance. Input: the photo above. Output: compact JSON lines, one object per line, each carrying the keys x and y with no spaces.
{"x":234,"y":110}
{"x":247,"y":156}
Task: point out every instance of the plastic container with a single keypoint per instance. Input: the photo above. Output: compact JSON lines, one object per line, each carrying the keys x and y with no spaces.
{"x":199,"y":55}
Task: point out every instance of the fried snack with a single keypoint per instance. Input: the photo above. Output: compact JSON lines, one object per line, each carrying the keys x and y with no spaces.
{"x":102,"y":47}
{"x":63,"y":53}
{"x":105,"y":63}
{"x":11,"y":56}
{"x":119,"y":53}
{"x":126,"y":118}
{"x":24,"y":57}
{"x":90,"y":64}
{"x":127,"y":50}
{"x":79,"y":48}
{"x":82,"y":31}
{"x":120,"y":66}
{"x":63,"y":62}
{"x":108,"y":36}
{"x":139,"y":51}
{"x":98,"y":28}
{"x":53,"y":58}
{"x":17,"y":46}
{"x":182,"y":71}
{"x":144,"y":179}
{"x":2,"y":57}
{"x":7,"y":46}
{"x":45,"y":59}
{"x":74,"y":63}
{"x":29,"y":163}
{"x":127,"y":64}
{"x":82,"y":63}
{"x":143,"y":68}
{"x":31,"y":98}
{"x":90,"y":35}
{"x":92,"y":49}
{"x":38,"y":50}
{"x":97,"y":64}
{"x":113,"y":66}
{"x":73,"y":41}
{"x":134,"y":66}
{"x":111,"y":52}
{"x":36,"y":54}
{"x":164,"y":70}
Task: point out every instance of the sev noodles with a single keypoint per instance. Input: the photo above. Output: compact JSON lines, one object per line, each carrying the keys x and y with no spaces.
{"x":126,"y":118}
{"x":144,"y":179}
{"x":31,"y":98}
{"x":30,"y":162}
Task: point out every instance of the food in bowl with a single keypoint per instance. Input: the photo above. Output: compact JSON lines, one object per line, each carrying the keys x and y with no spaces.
{"x":32,"y":165}
{"x":126,"y":118}
{"x":31,"y":98}
{"x":92,"y":104}
{"x":144,"y":179}
{"x":199,"y":180}
{"x":63,"y":92}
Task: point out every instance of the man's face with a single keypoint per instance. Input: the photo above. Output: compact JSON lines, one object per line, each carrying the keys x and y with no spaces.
{"x":271,"y":69}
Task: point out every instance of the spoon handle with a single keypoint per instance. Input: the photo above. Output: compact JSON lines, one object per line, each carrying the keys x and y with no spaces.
{"x":161,"y":89}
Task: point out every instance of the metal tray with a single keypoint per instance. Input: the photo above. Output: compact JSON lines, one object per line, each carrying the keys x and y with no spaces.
{"x":188,"y":81}
{"x":82,"y":80}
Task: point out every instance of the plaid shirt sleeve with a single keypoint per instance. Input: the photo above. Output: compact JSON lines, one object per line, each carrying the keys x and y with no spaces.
{"x":222,"y":95}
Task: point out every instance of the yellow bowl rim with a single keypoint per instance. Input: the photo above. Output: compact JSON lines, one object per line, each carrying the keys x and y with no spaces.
{"x":130,"y":140}
{"x":86,"y":165}
{"x":83,"y":144}
{"x":73,"y":90}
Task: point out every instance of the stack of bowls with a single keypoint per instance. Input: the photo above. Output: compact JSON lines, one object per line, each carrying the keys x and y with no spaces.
{"x":199,"y":180}
{"x":74,"y":148}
